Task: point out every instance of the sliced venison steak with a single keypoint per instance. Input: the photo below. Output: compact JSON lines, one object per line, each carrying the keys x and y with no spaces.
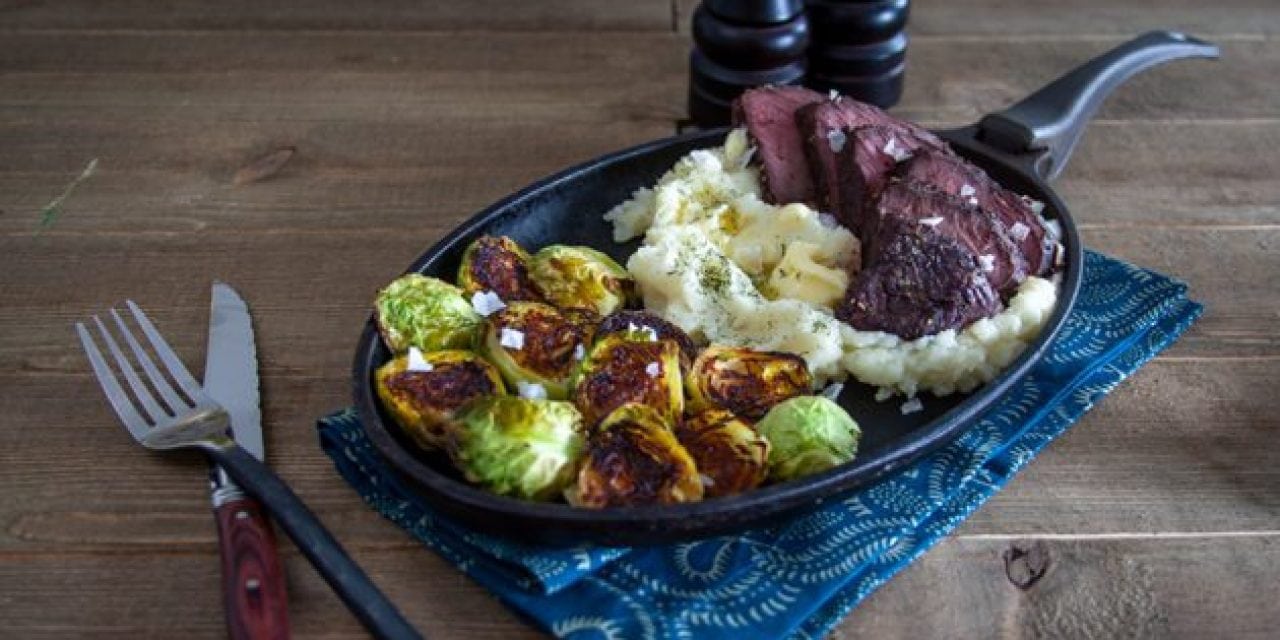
{"x":920,"y":283}
{"x":951,"y":174}
{"x":851,"y":179}
{"x":979,"y":231}
{"x":769,"y":116}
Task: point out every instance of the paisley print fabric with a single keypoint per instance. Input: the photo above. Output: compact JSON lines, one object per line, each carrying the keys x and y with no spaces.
{"x":797,"y":580}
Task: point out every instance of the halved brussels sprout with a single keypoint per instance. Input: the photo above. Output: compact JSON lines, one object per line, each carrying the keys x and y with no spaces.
{"x":499,"y":265}
{"x":518,"y":447}
{"x":618,"y":370}
{"x":647,"y":322}
{"x":633,"y":459}
{"x":580,"y":277}
{"x":423,"y":400}
{"x":423,"y":312}
{"x":534,"y":344}
{"x":731,"y":456}
{"x":745,"y":381}
{"x":808,"y":434}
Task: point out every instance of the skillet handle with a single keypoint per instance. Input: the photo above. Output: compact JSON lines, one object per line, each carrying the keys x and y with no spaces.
{"x":1052,"y":119}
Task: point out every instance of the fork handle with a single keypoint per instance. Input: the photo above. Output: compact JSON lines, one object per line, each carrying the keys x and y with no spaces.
{"x":253,"y":583}
{"x":356,"y":590}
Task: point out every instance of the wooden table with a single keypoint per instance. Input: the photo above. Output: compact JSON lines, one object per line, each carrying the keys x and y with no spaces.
{"x":1159,"y":514}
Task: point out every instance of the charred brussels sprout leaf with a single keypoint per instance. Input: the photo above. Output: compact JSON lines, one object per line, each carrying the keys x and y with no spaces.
{"x":633,"y":459}
{"x":731,"y":456}
{"x":499,"y":265}
{"x":744,"y":381}
{"x":423,"y":401}
{"x":518,"y":447}
{"x":430,"y":314}
{"x":534,"y":344}
{"x":807,"y":435}
{"x":618,"y":370}
{"x":579,"y":277}
{"x":647,"y":322}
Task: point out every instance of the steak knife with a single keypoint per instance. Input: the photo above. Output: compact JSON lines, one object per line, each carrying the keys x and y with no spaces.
{"x":253,"y":584}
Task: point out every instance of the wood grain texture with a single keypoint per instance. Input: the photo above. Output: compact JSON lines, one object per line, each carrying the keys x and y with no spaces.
{"x":1076,"y":20}
{"x":336,"y":15}
{"x":1155,"y":516}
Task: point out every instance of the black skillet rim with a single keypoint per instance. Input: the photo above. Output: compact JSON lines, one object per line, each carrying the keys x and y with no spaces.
{"x":741,"y":512}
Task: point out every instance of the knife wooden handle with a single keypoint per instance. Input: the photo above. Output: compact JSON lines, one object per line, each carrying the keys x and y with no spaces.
{"x":348,"y":580}
{"x":253,"y":587}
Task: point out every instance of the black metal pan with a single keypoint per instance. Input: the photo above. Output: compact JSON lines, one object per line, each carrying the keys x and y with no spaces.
{"x":1023,"y":147}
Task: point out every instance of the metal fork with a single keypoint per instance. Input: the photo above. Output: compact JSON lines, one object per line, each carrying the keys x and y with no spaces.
{"x":173,"y":421}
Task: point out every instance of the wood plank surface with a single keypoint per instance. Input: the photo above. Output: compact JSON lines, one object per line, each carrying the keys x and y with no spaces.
{"x":1076,"y":20}
{"x":395,"y":15}
{"x":1156,"y":516}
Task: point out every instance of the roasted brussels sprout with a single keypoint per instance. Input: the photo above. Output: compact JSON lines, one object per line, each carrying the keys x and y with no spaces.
{"x":647,"y":322}
{"x":731,"y":456}
{"x":579,"y":277}
{"x":744,"y":381}
{"x":633,"y":459}
{"x":535,"y":344}
{"x":808,"y":434}
{"x":618,"y":370}
{"x":499,"y":265}
{"x":423,"y":312}
{"x":518,"y":447}
{"x":421,"y":391}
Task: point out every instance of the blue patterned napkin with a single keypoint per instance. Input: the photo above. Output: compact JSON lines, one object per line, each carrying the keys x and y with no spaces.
{"x":797,"y":580}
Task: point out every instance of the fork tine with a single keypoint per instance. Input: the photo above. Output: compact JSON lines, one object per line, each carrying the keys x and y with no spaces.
{"x":140,"y":390}
{"x":129,"y":415}
{"x":171,"y":397}
{"x":167,"y":356}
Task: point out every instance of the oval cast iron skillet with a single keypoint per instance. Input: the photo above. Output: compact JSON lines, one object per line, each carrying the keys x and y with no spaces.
{"x":1023,"y":148}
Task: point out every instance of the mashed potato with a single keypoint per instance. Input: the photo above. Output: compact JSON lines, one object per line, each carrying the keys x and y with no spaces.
{"x":732,"y":269}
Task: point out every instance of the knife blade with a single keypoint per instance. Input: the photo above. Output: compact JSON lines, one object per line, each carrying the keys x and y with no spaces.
{"x":253,"y":587}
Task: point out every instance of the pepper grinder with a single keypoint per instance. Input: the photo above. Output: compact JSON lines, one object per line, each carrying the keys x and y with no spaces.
{"x":859,"y":48}
{"x":739,"y":44}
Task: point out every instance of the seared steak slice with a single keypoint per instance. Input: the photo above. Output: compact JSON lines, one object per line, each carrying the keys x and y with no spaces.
{"x":920,"y":283}
{"x":979,"y":231}
{"x":850,"y":180}
{"x":835,"y":148}
{"x":769,"y":115}
{"x":954,"y":175}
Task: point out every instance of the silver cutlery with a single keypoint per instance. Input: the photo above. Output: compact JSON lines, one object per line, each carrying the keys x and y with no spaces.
{"x":194,"y":420}
{"x":253,"y":581}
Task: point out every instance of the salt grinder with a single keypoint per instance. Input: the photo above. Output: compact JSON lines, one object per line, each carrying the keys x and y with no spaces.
{"x":739,"y":44}
{"x":858,"y":48}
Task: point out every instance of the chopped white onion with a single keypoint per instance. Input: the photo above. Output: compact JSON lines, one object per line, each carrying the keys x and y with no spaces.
{"x":707,"y":481}
{"x":911,"y":406}
{"x":1037,"y":207}
{"x":833,"y":95}
{"x":836,"y":140}
{"x":511,"y":339}
{"x":579,"y":352}
{"x":932,"y":221}
{"x":972,"y":201}
{"x":967,"y":190}
{"x":746,"y":158}
{"x":487,"y":303}
{"x":652,"y":369}
{"x":417,"y":362}
{"x":833,"y":391}
{"x":531,"y":390}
